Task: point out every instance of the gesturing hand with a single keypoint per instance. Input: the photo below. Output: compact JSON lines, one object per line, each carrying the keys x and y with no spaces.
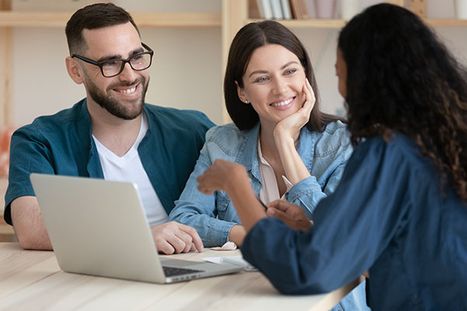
{"x":233,"y":179}
{"x":222,"y":175}
{"x":174,"y":238}
{"x":292,"y":215}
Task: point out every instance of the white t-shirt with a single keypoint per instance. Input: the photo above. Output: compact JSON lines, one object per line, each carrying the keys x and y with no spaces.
{"x":270,"y":190}
{"x":129,"y":168}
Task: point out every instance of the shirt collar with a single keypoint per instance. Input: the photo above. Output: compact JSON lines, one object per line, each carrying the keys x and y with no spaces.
{"x":248,"y":155}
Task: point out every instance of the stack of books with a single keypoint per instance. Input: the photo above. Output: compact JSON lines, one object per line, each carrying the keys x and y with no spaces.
{"x":296,"y":9}
{"x":280,"y":9}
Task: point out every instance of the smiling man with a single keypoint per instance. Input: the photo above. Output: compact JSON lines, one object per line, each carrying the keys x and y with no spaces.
{"x":111,"y":134}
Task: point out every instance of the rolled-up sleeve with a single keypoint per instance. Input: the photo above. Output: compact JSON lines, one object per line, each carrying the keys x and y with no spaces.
{"x":29,"y":153}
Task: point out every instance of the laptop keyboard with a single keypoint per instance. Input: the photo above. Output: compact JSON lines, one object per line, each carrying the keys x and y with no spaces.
{"x":171,"y":271}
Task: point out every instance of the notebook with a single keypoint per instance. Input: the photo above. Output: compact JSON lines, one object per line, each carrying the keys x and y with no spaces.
{"x":98,"y":227}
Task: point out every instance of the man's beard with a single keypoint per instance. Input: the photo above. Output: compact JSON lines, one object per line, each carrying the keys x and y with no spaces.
{"x":116,"y":108}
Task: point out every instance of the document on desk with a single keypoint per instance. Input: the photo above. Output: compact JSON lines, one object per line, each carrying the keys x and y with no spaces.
{"x":234,"y":260}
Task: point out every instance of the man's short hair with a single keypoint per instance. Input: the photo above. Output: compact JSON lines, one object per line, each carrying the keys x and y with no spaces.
{"x":93,"y":16}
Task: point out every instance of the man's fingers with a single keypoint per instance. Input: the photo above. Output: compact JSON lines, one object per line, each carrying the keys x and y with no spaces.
{"x":177,"y":243}
{"x":173,"y":237}
{"x":196,"y":240}
{"x":186,"y":239}
{"x":164,"y":247}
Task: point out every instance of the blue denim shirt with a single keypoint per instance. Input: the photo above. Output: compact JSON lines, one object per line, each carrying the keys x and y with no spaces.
{"x":324,"y":154}
{"x":62,"y":144}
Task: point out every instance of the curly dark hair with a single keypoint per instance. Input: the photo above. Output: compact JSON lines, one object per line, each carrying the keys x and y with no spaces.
{"x":401,"y":78}
{"x":246,"y":41}
{"x":93,"y":16}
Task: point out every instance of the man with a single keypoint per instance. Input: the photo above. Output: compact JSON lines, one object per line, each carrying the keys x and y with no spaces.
{"x":110,"y":134}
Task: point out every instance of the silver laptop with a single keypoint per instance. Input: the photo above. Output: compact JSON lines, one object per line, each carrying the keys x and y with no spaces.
{"x":98,"y":227}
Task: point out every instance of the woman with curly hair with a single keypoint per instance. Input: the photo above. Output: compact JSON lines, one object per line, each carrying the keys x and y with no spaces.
{"x":400,"y":210}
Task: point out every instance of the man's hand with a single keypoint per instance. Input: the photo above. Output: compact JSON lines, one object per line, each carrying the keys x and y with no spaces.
{"x":292,"y":215}
{"x":175,"y":238}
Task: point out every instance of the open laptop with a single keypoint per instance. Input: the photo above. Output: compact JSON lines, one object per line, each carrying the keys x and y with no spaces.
{"x":98,"y":227}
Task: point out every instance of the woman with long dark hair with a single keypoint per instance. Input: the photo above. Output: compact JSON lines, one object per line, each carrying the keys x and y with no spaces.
{"x":400,"y":210}
{"x":290,"y":148}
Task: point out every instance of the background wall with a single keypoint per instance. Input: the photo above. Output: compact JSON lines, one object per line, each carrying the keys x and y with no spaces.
{"x":321,"y":44}
{"x":186,"y":71}
{"x":187,"y":68}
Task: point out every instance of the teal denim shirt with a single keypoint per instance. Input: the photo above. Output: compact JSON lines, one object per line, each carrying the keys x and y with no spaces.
{"x":62,"y":144}
{"x":324,"y":154}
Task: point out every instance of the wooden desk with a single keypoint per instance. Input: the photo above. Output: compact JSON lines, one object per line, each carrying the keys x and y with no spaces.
{"x":32,"y":280}
{"x":6,"y":231}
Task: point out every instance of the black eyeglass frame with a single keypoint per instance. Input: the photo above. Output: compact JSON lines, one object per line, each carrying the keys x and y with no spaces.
{"x":100,"y":64}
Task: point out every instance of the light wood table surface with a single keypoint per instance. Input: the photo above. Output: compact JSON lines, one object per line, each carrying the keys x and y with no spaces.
{"x":32,"y":280}
{"x":6,"y":231}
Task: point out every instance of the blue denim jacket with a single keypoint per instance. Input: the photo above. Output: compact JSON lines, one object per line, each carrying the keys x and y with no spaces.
{"x":324,"y":154}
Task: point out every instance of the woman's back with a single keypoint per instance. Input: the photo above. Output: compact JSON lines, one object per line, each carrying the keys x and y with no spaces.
{"x":388,"y":215}
{"x":423,"y":233}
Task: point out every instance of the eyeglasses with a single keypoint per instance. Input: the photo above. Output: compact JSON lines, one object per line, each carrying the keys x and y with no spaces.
{"x":113,"y":67}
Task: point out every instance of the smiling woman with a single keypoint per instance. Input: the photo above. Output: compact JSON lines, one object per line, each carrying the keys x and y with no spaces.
{"x":400,"y":209}
{"x":274,"y":84}
{"x":289,"y":148}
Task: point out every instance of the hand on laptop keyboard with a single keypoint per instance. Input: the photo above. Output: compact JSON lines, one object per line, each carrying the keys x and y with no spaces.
{"x":175,"y":238}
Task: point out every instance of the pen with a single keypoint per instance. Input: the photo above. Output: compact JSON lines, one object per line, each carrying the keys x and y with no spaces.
{"x":262,"y":203}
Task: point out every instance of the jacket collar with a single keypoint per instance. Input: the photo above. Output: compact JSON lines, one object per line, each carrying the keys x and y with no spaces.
{"x":248,"y":155}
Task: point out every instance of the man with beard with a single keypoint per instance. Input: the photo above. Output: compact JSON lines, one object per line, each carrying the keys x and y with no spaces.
{"x":111,"y":134}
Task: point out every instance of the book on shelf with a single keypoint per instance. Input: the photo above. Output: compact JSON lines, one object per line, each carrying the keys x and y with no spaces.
{"x":265,"y":9}
{"x":270,"y":9}
{"x":285,"y":4}
{"x":276,"y":9}
{"x":253,"y":10}
{"x":299,"y":9}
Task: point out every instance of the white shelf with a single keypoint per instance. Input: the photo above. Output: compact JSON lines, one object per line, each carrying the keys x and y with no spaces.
{"x":339,"y":23}
{"x":59,"y":19}
{"x":310,"y":23}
